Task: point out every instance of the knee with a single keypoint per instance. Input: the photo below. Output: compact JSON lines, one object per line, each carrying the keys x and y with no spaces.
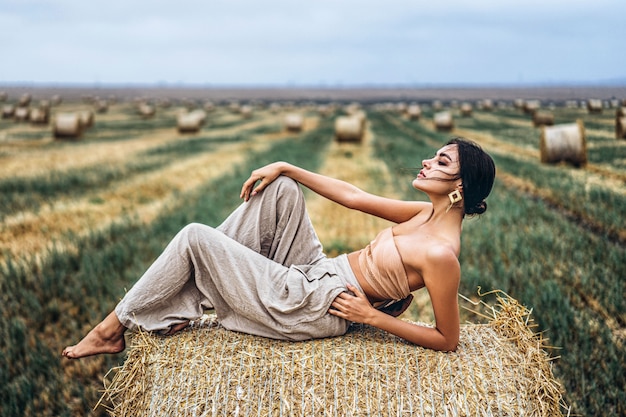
{"x":194,"y":232}
{"x":287,"y":187}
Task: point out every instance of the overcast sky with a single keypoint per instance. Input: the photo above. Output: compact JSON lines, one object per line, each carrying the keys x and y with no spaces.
{"x":313,"y":43}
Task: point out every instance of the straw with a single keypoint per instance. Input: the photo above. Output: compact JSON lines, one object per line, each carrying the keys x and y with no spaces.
{"x":500,"y":368}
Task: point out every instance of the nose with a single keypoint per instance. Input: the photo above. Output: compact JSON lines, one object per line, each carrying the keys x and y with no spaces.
{"x":425,"y":163}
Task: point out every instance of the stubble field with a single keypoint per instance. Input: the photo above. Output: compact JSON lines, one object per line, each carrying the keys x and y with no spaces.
{"x":81,"y":219}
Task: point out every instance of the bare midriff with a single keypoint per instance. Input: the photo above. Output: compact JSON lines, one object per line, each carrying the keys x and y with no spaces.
{"x":353,"y":260}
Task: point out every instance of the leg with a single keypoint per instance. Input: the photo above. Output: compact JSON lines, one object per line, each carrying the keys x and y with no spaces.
{"x":106,"y":337}
{"x":275,"y":224}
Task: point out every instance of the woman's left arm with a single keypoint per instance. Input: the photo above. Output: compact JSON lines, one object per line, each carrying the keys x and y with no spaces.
{"x":442,"y":281}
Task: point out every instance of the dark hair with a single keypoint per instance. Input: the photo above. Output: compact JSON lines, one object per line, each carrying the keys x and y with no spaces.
{"x":477,"y":174}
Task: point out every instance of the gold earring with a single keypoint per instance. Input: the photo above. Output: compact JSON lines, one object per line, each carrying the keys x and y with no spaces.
{"x":455,"y":196}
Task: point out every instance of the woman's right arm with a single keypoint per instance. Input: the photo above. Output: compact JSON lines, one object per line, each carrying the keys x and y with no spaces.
{"x":341,"y":192}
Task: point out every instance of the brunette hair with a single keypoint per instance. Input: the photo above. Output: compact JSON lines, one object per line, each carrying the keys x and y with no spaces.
{"x":477,"y":174}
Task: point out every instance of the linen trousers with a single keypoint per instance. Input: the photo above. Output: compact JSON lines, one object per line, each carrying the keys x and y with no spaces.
{"x":263,"y":270}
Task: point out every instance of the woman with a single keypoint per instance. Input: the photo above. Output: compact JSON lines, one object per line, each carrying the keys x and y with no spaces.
{"x":264,"y":272}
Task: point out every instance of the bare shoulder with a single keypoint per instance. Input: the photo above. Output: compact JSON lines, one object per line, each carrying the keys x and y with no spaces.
{"x":440,"y":260}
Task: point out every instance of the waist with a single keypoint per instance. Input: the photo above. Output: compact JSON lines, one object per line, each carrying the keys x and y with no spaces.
{"x":370,"y":293}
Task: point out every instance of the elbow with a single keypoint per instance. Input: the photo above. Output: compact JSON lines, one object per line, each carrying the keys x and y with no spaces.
{"x":451,"y":347}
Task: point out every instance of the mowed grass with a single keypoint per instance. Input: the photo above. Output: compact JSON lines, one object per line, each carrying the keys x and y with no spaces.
{"x":105,"y":207}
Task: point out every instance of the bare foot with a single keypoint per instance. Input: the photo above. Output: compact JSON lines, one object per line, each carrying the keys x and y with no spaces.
{"x":106,"y":337}
{"x":177,"y":328}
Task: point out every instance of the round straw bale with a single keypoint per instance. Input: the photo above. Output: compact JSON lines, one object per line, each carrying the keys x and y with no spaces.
{"x":101,"y":106}
{"x":189,"y":122}
{"x":146,"y":110}
{"x":8,"y":110}
{"x":246,"y":111}
{"x":564,"y":142}
{"x":40,"y":115}
{"x":348,"y":129}
{"x":3,"y":96}
{"x":24,"y":100}
{"x":56,"y":100}
{"x":543,"y":118}
{"x":620,"y":112}
{"x":437,"y":105}
{"x":209,"y":106}
{"x":620,"y":127}
{"x":87,"y":118}
{"x":518,"y":103}
{"x":486,"y":104}
{"x":294,"y":122}
{"x":21,"y":114}
{"x":67,"y":125}
{"x":594,"y":106}
{"x":443,"y":121}
{"x":531,"y":106}
{"x":498,"y":368}
{"x":414,"y":112}
{"x":466,"y":109}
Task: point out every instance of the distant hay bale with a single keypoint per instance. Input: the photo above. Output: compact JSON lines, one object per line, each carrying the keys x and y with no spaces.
{"x":486,"y":104}
{"x":349,"y":129}
{"x":594,"y":106}
{"x":190,"y":122}
{"x":564,"y":142}
{"x":294,"y":122}
{"x":21,"y":114}
{"x":56,"y":100}
{"x":437,"y":105}
{"x":67,"y":125}
{"x":500,"y":368}
{"x":620,"y":127}
{"x":40,"y":115}
{"x":443,"y":121}
{"x":466,"y":109}
{"x":87,"y":118}
{"x":543,"y":118}
{"x":3,"y":96}
{"x":531,"y":106}
{"x":246,"y":111}
{"x":24,"y":100}
{"x":414,"y":112}
{"x":8,"y":110}
{"x":101,"y":106}
{"x":146,"y":110}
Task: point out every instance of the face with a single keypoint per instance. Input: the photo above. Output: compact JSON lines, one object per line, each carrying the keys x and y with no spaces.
{"x":439,"y":171}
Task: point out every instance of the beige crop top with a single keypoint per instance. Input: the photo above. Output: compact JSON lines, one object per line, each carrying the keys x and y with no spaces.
{"x":382,"y":267}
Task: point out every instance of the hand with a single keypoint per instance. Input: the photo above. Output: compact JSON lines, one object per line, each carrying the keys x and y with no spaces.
{"x":356,"y":308}
{"x":265,"y":174}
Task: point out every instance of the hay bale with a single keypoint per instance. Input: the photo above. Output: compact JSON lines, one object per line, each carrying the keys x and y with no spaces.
{"x":531,"y":106}
{"x":466,"y":109}
{"x":24,"y":100}
{"x":146,"y":110}
{"x":246,"y":111}
{"x":500,"y":368}
{"x":620,"y":128}
{"x":3,"y":96}
{"x":564,"y":142}
{"x":56,"y":99}
{"x":67,"y":125}
{"x":414,"y":112}
{"x":8,"y":110}
{"x":594,"y":106}
{"x":87,"y":118}
{"x":294,"y":122}
{"x":101,"y":106}
{"x":40,"y":115}
{"x":486,"y":104}
{"x":190,"y":122}
{"x":443,"y":121}
{"x":543,"y":118}
{"x":349,"y":129}
{"x":21,"y":114}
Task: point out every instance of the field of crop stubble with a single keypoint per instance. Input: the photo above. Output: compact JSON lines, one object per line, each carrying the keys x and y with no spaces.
{"x":81,"y":219}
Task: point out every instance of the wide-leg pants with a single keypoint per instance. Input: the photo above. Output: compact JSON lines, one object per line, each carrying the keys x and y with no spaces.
{"x":263,"y":270}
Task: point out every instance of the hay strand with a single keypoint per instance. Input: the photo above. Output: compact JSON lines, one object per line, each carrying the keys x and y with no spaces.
{"x":499,"y":368}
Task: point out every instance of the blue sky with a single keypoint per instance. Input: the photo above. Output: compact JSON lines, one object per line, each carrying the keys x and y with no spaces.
{"x":315,"y":43}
